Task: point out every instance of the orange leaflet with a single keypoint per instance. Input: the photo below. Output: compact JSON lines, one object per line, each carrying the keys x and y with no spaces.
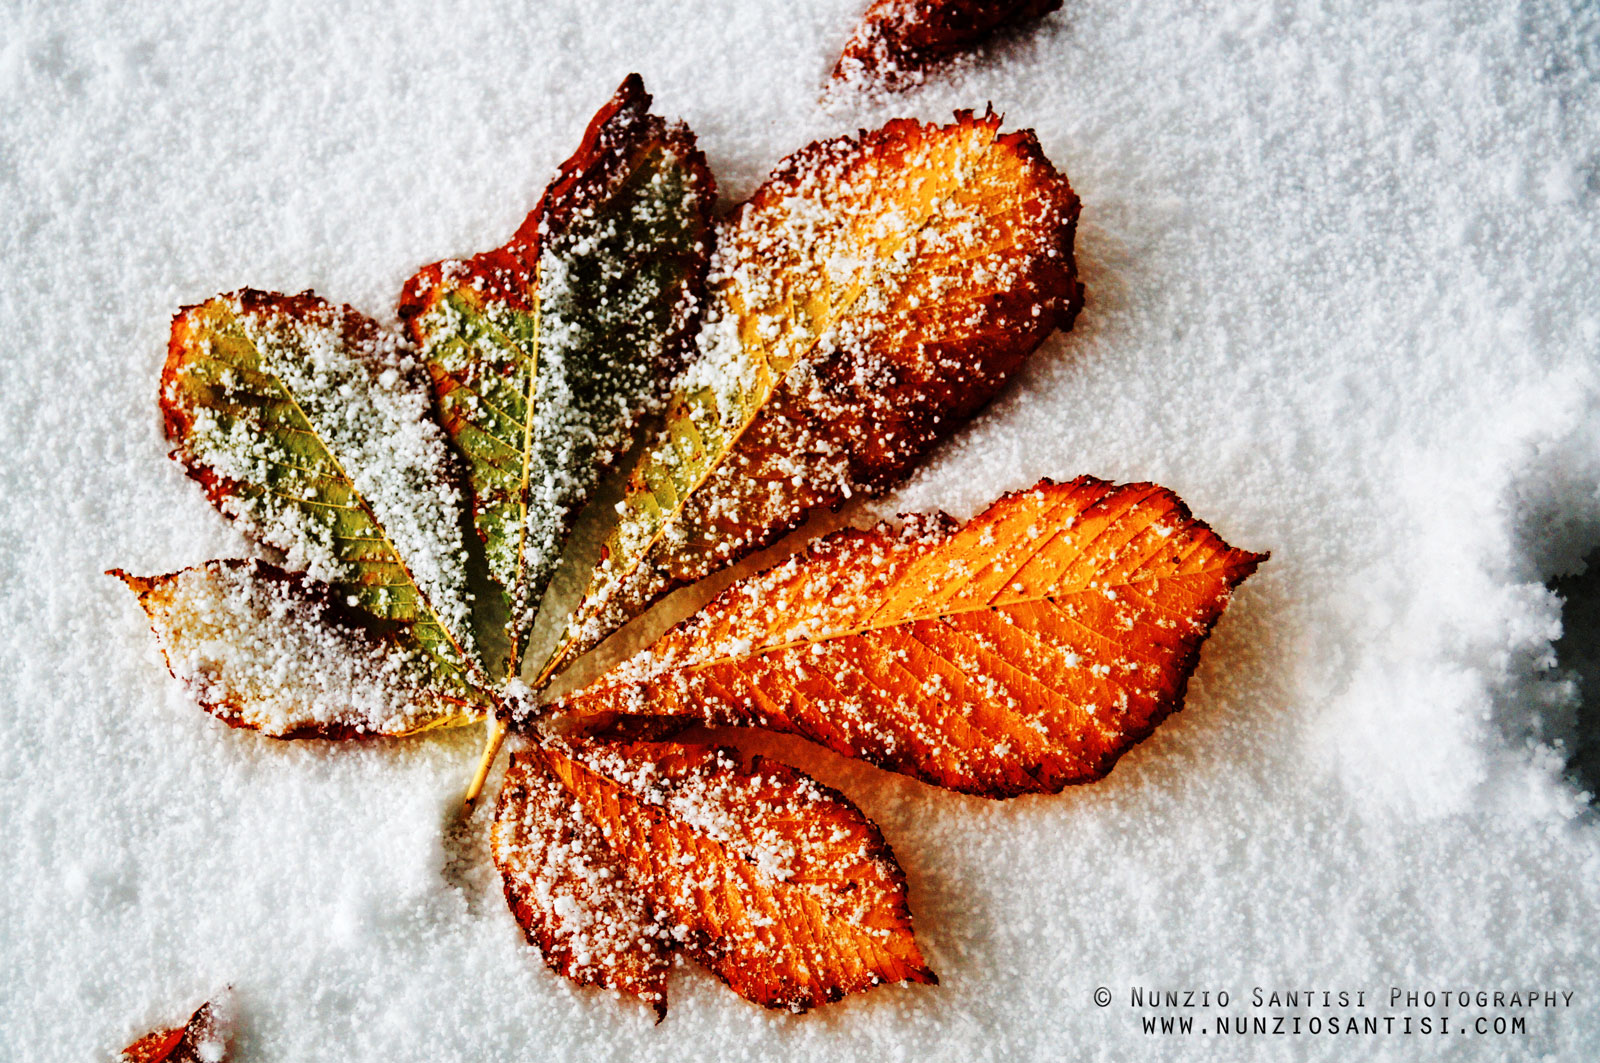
{"x":1023,"y":652}
{"x":614,"y":856}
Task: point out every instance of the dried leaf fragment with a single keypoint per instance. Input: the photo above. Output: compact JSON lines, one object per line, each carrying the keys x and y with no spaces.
{"x":866,"y":301}
{"x":546,"y":354}
{"x":1024,"y":651}
{"x":898,"y":41}
{"x":777,"y":884}
{"x":279,"y":653}
{"x":203,"y":1039}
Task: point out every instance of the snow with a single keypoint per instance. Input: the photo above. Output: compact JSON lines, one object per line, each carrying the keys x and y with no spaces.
{"x":1339,"y":261}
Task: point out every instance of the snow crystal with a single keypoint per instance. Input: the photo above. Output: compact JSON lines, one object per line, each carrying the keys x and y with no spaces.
{"x":1340,"y":263}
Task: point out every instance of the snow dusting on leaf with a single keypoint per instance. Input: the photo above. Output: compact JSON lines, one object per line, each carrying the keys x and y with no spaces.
{"x":866,"y":301}
{"x":276,"y":652}
{"x":572,"y":894}
{"x":613,"y":856}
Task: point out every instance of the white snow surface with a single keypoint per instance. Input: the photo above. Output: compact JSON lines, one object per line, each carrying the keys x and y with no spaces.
{"x":1341,"y":263}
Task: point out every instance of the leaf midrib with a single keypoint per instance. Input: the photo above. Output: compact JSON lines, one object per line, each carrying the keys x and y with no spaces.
{"x":530,"y":397}
{"x":903,"y":620}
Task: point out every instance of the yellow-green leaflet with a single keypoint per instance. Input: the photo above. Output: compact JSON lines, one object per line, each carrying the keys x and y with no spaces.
{"x":308,"y":424}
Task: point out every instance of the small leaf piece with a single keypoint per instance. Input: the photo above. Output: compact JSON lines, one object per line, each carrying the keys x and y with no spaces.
{"x":309,"y":425}
{"x":866,"y":301}
{"x":779,"y":885}
{"x":898,"y":41}
{"x":203,"y":1039}
{"x":545,"y":353}
{"x":1023,"y":652}
{"x":276,"y":652}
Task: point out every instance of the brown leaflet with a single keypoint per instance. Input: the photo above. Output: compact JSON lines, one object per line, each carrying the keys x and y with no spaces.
{"x":1025,"y":651}
{"x":777,"y":884}
{"x":898,"y":41}
{"x":273,"y":651}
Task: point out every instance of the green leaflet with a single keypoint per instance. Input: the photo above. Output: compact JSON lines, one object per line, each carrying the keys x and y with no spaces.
{"x":545,"y":355}
{"x":481,"y":361}
{"x":308,"y":424}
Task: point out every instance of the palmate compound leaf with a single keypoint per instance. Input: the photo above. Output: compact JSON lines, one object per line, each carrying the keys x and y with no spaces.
{"x":545,"y":355}
{"x":309,"y":425}
{"x":615,"y":856}
{"x":276,"y":652}
{"x":898,"y":41}
{"x":203,"y":1039}
{"x":867,"y":300}
{"x":1022,"y":652}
